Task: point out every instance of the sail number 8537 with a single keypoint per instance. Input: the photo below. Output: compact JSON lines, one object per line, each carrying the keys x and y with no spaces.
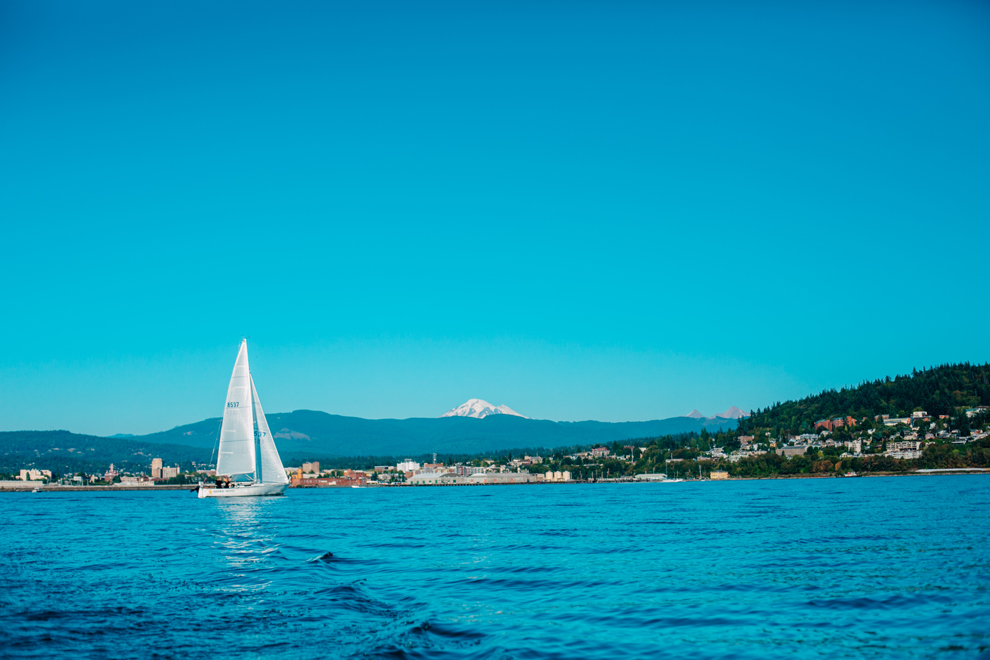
{"x":233,"y":404}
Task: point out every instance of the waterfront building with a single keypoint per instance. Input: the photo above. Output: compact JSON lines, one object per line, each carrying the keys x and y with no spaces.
{"x":503,"y":478}
{"x":17,"y":484}
{"x":719,"y":475}
{"x":129,"y":480}
{"x":427,"y":478}
{"x":326,"y":482}
{"x":440,"y":479}
{"x":407,"y":466}
{"x":313,"y":467}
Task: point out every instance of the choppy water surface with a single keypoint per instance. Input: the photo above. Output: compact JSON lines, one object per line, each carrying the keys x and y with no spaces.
{"x":894,"y":567}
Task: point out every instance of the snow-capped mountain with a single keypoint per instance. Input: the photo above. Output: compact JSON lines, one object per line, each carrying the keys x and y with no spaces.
{"x":479,"y":409}
{"x":731,"y":413}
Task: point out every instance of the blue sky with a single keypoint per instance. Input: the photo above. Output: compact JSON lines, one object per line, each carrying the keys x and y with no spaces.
{"x":612,"y":210}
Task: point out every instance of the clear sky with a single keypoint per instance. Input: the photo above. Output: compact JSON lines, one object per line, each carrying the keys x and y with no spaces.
{"x":583,"y":210}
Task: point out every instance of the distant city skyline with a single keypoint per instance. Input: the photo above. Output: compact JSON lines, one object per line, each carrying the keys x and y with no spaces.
{"x":604,"y":211}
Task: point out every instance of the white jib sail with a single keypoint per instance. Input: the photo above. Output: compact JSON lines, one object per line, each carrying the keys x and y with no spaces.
{"x":272,"y":471}
{"x":236,"y":455}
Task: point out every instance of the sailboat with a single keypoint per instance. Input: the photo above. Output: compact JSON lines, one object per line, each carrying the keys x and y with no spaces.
{"x":247,"y":460}
{"x":666,"y":471}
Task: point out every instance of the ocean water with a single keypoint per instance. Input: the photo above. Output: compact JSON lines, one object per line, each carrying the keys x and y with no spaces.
{"x":862,"y":568}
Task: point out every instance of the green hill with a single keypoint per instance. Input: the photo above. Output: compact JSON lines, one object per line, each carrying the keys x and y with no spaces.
{"x":939,"y":390}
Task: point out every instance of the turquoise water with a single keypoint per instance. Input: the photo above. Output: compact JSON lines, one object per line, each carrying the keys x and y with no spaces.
{"x":878,"y":567}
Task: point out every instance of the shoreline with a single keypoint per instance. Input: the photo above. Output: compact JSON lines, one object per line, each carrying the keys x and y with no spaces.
{"x":946,"y":472}
{"x":94,"y":489}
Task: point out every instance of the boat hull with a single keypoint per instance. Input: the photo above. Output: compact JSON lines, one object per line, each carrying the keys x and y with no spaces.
{"x":249,"y":490}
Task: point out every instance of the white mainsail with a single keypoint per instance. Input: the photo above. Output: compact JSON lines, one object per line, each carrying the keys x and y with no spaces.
{"x":236,"y":455}
{"x":269,"y":463}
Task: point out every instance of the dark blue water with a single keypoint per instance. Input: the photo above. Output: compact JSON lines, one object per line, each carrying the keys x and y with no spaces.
{"x":893,"y":567}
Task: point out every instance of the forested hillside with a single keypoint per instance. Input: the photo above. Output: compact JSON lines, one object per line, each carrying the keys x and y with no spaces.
{"x":939,"y":390}
{"x":63,"y":452}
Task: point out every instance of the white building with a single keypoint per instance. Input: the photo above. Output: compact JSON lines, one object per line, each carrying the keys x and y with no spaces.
{"x":34,"y":475}
{"x":407,"y":466}
{"x":909,"y":445}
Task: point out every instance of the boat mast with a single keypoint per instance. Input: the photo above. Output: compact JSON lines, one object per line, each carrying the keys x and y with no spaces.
{"x":257,"y":436}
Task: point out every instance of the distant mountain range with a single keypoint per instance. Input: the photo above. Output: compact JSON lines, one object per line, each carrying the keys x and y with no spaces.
{"x":305,"y":434}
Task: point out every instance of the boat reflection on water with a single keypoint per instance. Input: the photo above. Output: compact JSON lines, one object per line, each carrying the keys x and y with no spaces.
{"x":246,"y":538}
